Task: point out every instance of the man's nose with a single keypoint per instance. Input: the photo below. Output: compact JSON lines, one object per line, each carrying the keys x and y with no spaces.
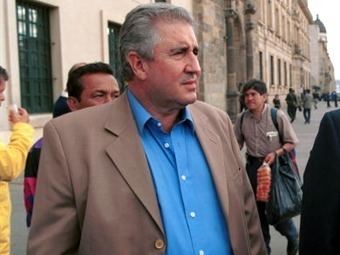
{"x":193,"y":64}
{"x":108,"y":98}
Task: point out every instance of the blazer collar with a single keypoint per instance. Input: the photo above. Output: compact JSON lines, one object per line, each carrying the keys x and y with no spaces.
{"x":212,"y":146}
{"x":127,"y":154}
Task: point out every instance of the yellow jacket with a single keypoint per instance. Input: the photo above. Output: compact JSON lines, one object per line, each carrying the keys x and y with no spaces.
{"x":12,"y":162}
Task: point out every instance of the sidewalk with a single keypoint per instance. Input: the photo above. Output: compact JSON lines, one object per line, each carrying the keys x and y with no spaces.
{"x":306,"y":134}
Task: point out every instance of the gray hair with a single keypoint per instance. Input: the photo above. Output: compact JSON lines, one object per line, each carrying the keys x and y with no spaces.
{"x":138,"y":33}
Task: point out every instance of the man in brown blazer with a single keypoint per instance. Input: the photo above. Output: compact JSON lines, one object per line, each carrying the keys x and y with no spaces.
{"x":153,"y":172}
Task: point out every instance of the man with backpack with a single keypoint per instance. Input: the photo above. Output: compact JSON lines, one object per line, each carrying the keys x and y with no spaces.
{"x":267,"y":134}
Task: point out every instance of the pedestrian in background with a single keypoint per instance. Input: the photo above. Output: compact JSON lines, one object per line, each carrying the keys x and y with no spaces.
{"x":328,"y":99}
{"x":277,"y":102}
{"x":88,"y":85}
{"x":153,"y":172}
{"x":60,"y":106}
{"x":292,"y":104}
{"x":256,"y":129}
{"x":335,"y":98}
{"x":307,"y":101}
{"x":319,"y":227}
{"x":12,"y":160}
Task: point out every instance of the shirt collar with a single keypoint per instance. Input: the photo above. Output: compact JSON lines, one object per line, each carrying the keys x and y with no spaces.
{"x":264,"y":112}
{"x":142,"y":116}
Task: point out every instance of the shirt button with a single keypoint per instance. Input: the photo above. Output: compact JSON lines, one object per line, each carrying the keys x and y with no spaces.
{"x":166,"y":145}
{"x":201,"y":252}
{"x":183,"y":177}
{"x":159,"y":124}
{"x":193,"y":214}
{"x":159,"y":244}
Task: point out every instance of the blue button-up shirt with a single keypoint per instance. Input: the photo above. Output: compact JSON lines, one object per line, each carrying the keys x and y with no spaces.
{"x":191,"y":213}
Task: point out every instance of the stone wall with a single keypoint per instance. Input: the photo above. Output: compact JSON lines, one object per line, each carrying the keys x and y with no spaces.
{"x":210,"y":30}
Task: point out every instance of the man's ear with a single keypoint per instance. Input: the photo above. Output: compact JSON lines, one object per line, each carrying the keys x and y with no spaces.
{"x":265,"y":96}
{"x":73,"y":103}
{"x":137,"y":65}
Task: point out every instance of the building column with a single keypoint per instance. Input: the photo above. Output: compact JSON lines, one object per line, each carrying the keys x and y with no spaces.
{"x":232,"y":91}
{"x":249,"y":11}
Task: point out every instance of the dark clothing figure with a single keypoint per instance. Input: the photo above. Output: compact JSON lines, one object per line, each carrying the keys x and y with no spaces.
{"x":60,"y":106}
{"x":335,"y":98}
{"x":292,"y":104}
{"x":31,"y":168}
{"x":320,"y":228}
{"x":30,"y":181}
{"x":328,"y":99}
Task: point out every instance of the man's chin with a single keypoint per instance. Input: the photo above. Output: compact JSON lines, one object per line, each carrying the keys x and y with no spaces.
{"x":192,"y":99}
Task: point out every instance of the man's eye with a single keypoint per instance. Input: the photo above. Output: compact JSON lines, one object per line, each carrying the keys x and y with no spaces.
{"x":180,"y":52}
{"x":98,"y":95}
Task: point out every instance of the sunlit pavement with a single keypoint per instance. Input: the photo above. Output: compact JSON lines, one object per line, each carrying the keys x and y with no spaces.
{"x":306,"y":135}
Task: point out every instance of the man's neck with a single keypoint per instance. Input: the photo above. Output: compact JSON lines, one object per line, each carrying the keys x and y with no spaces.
{"x":167,"y":116}
{"x":257,"y":113}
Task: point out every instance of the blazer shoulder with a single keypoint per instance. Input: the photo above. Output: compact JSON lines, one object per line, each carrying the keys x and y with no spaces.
{"x":91,"y":116}
{"x":208,"y":110}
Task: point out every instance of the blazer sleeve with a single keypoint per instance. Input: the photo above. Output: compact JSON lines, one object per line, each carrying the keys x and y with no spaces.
{"x":320,"y":221}
{"x":54,"y":215}
{"x":238,"y":130}
{"x":252,"y":221}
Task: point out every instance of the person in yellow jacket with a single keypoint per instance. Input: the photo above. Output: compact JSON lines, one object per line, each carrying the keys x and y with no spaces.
{"x":12,"y":161}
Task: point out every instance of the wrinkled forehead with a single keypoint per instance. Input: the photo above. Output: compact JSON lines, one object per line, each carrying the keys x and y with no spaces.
{"x":175,"y":28}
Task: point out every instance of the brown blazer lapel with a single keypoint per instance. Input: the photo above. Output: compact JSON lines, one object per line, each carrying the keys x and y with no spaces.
{"x":127,"y":154}
{"x":212,"y":147}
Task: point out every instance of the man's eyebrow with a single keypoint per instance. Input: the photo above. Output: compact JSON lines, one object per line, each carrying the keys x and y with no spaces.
{"x":179,"y":48}
{"x":100,"y":91}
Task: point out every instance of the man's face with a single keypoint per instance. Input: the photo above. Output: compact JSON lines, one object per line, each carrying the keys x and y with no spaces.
{"x":2,"y":89}
{"x":172,"y":76}
{"x":99,"y":88}
{"x":254,"y":100}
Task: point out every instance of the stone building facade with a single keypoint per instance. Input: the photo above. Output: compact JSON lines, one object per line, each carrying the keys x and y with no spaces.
{"x":238,"y":40}
{"x":225,"y":54}
{"x":282,"y":45}
{"x":322,"y":71}
{"x":44,"y":38}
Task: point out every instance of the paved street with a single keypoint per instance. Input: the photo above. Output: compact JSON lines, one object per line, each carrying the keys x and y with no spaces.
{"x":306,"y":134}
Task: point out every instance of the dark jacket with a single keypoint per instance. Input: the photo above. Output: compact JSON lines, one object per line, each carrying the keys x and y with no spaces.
{"x":320,"y":218}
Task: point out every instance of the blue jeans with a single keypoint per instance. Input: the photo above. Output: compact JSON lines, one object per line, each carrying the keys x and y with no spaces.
{"x":306,"y":115}
{"x":285,"y":228}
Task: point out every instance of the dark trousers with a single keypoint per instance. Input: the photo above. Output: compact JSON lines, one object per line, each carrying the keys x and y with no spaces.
{"x":306,"y":115}
{"x":291,"y":112}
{"x":285,"y":228}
